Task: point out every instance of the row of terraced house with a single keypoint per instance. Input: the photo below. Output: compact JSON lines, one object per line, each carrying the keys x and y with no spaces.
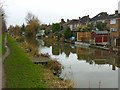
{"x":110,"y":36}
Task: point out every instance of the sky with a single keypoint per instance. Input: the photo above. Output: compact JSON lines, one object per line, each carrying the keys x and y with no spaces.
{"x":52,"y":11}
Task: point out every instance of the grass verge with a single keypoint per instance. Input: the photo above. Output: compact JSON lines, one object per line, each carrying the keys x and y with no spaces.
{"x":2,"y":49}
{"x":20,"y":72}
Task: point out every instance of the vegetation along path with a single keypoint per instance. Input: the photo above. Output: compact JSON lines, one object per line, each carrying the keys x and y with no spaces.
{"x":3,"y":58}
{"x":20,"y":72}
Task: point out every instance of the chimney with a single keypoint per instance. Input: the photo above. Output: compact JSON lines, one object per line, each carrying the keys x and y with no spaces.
{"x":68,"y":20}
{"x":116,"y":11}
{"x":62,"y":21}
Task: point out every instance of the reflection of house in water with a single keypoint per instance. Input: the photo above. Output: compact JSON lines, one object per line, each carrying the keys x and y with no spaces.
{"x":97,"y":56}
{"x":83,"y":53}
{"x":56,"y":49}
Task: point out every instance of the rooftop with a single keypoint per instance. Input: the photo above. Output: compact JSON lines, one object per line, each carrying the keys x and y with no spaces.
{"x":101,"y":32}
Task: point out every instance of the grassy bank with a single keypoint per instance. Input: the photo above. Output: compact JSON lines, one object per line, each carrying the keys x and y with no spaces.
{"x":20,"y":72}
{"x":3,"y":47}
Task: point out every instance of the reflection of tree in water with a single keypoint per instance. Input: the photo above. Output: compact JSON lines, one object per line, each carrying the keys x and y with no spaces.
{"x":83,"y":54}
{"x":47,"y":44}
{"x":56,"y":49}
{"x":73,"y":50}
{"x":59,"y":48}
{"x":66,"y":49}
{"x":86,"y":58}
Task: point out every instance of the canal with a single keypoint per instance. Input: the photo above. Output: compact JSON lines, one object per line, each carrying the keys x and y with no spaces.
{"x":87,"y":67}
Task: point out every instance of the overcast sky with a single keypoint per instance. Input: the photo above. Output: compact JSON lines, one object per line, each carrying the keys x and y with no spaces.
{"x":51,"y":11}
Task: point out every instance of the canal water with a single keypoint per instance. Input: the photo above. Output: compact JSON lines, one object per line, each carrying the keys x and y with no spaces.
{"x":87,"y":67}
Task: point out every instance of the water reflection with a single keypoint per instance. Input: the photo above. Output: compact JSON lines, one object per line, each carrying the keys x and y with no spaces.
{"x":97,"y":56}
{"x":59,"y":48}
{"x":90,"y":55}
{"x":85,"y":66}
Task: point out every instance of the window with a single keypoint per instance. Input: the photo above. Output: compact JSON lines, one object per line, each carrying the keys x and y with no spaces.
{"x":113,"y":29}
{"x":113,"y":21}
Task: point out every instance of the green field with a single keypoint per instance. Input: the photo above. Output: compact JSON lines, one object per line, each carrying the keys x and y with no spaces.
{"x":20,"y":72}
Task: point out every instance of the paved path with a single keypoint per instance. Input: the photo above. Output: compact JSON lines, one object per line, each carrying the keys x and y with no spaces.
{"x":2,"y":72}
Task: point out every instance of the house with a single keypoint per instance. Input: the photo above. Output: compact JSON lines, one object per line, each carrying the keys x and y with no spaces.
{"x":84,"y":20}
{"x":73,"y":24}
{"x":114,"y":37}
{"x":40,"y":33}
{"x":113,"y":22}
{"x":101,"y":17}
{"x":118,"y":41}
{"x":113,"y":25}
{"x":100,"y":37}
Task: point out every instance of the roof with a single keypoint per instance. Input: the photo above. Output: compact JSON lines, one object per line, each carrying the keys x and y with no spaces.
{"x":101,"y":32}
{"x":112,"y":16}
{"x":74,"y":21}
{"x":100,"y":16}
{"x":84,"y":19}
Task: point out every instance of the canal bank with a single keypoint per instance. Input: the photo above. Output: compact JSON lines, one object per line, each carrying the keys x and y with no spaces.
{"x":112,"y":49}
{"x":20,"y":72}
{"x":83,"y":65}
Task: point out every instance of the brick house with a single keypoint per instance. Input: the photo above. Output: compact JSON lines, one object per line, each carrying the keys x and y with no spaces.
{"x":101,"y":17}
{"x":84,"y":20}
{"x":113,"y":22}
{"x":113,"y":25}
{"x":73,"y":24}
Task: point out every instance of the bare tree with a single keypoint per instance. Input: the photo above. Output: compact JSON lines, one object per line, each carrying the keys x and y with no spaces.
{"x":33,"y":24}
{"x":31,"y":17}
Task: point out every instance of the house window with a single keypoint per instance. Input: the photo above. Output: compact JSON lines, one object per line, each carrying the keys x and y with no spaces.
{"x":113,"y":21}
{"x":113,"y":29}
